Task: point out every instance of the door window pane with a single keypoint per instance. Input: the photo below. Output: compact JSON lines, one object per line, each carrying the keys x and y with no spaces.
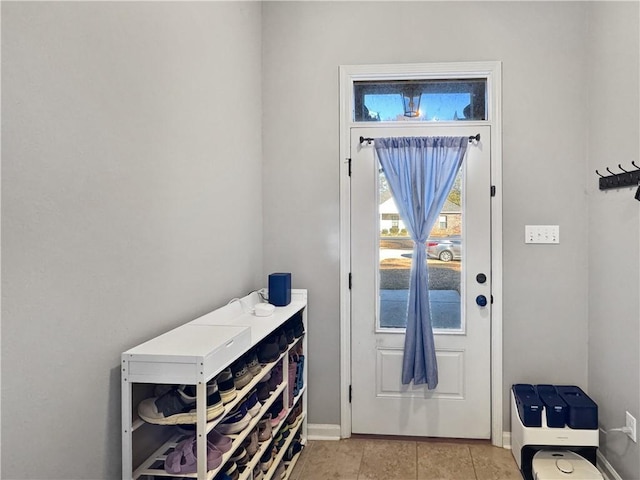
{"x":423,"y":100}
{"x":444,"y":261}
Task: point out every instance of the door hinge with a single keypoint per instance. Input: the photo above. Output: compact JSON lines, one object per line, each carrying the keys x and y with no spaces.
{"x":349,"y":170}
{"x":350,"y":280}
{"x":493,"y":187}
{"x":350,"y":393}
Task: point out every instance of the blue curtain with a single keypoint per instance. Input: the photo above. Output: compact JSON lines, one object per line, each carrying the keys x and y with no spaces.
{"x":420,"y":172}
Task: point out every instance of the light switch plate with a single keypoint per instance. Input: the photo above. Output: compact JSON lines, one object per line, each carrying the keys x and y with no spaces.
{"x":541,"y":234}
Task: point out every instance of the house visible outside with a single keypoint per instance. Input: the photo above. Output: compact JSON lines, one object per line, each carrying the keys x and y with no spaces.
{"x":449,"y":221}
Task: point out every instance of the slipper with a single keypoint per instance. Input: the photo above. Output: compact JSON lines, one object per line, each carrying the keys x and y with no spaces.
{"x":183,"y":458}
{"x":220,"y":441}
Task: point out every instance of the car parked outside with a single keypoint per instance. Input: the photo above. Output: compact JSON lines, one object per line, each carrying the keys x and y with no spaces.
{"x":445,"y":248}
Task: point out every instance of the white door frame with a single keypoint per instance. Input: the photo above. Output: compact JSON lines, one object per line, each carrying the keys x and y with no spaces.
{"x":492,"y":71}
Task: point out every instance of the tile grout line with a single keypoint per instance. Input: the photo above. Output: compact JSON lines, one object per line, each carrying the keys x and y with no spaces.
{"x":473,"y":463}
{"x":360,"y":464}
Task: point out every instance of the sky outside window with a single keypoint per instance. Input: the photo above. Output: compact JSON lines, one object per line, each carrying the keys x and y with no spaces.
{"x":433,"y":106}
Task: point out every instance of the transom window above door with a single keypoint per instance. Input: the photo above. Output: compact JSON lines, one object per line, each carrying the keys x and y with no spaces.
{"x":420,"y":100}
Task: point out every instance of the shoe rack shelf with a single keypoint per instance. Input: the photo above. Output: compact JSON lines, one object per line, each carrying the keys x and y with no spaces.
{"x":247,"y":473}
{"x":160,"y":454}
{"x":193,"y":354}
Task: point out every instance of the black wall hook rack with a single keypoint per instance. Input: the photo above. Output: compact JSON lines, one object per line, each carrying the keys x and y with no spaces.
{"x":619,"y":180}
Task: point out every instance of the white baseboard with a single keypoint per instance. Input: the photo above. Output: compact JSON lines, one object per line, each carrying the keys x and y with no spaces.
{"x":607,"y":470}
{"x":506,"y":440}
{"x":320,"y":431}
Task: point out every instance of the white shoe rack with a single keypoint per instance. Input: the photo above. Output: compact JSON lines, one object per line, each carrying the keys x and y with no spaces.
{"x":193,"y":354}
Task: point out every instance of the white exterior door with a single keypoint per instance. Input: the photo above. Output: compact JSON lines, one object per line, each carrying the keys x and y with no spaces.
{"x":460,"y":276}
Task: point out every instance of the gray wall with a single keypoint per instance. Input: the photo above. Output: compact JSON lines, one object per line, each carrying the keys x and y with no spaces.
{"x":614,"y":228}
{"x":131,"y":190}
{"x":542,"y":47}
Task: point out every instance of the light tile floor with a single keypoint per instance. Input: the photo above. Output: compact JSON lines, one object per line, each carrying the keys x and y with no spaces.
{"x":371,"y":458}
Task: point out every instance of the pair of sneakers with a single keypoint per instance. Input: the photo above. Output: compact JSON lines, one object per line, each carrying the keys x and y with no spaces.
{"x":176,"y":405}
{"x":245,"y":368}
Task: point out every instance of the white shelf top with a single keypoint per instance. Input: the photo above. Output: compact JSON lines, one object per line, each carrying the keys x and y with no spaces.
{"x":201,"y":348}
{"x":235,"y":314}
{"x":189,"y":341}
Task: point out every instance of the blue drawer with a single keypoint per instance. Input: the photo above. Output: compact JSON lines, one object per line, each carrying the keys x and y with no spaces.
{"x":555,"y":408}
{"x":582,"y":412}
{"x":529,"y":404}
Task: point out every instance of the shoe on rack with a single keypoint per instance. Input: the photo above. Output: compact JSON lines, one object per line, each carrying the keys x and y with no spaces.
{"x":240,"y":457}
{"x":278,"y":442}
{"x":215,"y":406}
{"x":241,"y":374}
{"x":280,"y":471}
{"x":250,"y":444}
{"x":183,"y":457}
{"x":253,"y":405}
{"x":298,"y":326}
{"x":231,"y":470}
{"x":293,"y":420}
{"x":226,"y":385}
{"x":300,"y":372}
{"x":220,"y":441}
{"x":288,"y":331}
{"x":276,"y":376}
{"x":258,"y":474}
{"x":278,"y":412}
{"x":293,"y":450}
{"x":236,"y":421}
{"x":283,"y":345}
{"x":267,"y":459}
{"x":264,"y":428}
{"x":173,"y":408}
{"x":264,"y":392}
{"x":163,"y":388}
{"x":251,"y":359}
{"x":268,"y":350}
{"x":292,"y":384}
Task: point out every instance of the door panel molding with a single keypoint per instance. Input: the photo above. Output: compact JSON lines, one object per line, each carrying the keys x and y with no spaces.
{"x":389,"y":369}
